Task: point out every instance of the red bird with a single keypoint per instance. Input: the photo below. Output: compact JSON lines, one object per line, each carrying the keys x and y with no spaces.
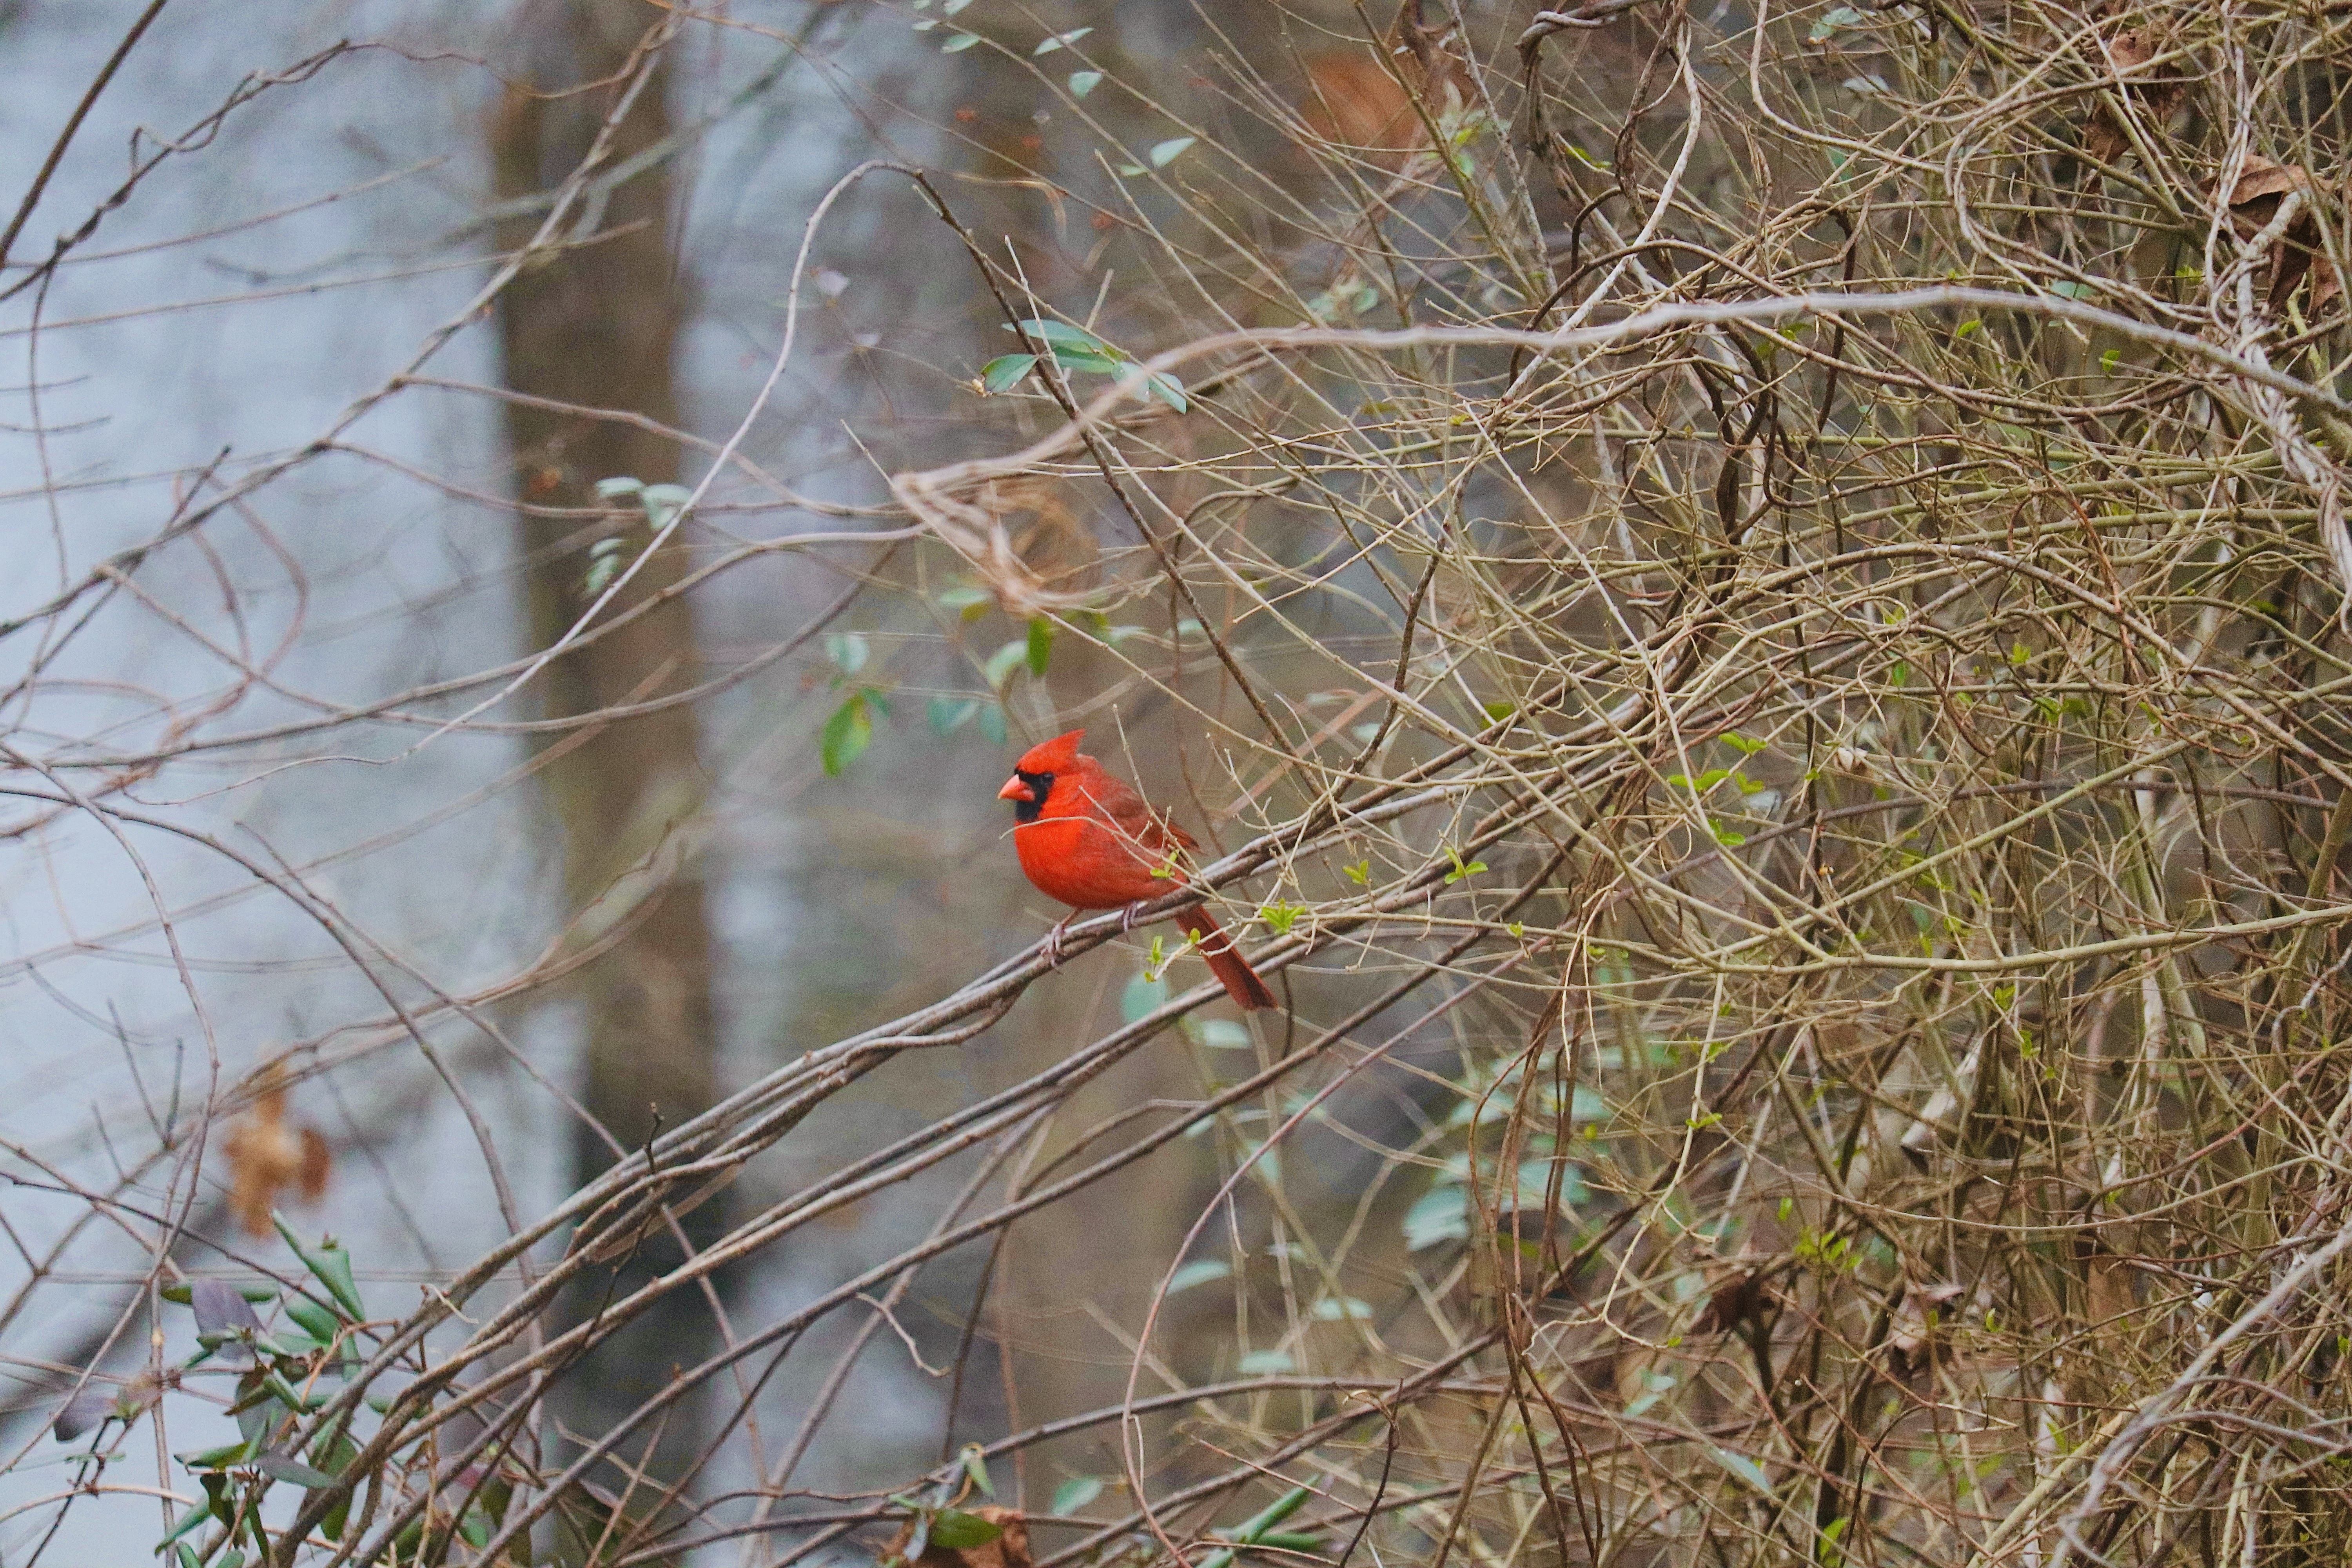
{"x":1089,"y":840}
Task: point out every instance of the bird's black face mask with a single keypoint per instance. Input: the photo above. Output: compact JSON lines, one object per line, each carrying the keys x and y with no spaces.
{"x":1040,"y":786}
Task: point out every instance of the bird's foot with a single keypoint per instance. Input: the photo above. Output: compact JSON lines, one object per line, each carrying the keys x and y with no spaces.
{"x":1127,"y":917}
{"x":1054,"y":937}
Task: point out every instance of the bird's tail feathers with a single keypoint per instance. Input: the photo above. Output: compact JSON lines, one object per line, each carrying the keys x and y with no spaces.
{"x":1225,"y":961}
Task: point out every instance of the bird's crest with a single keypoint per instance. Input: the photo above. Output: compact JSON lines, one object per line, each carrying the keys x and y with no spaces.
{"x":1053,"y":756}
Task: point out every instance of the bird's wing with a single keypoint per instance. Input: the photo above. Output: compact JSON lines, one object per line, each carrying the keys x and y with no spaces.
{"x":1120,"y":806}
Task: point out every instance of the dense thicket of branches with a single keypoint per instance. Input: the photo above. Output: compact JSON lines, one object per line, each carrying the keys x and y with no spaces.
{"x":1757,"y":603}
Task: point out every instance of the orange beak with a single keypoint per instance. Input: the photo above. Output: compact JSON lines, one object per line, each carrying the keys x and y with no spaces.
{"x":1016,"y":790}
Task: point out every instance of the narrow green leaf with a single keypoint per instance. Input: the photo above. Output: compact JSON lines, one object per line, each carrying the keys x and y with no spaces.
{"x":1003,"y":372}
{"x":1167,"y":389}
{"x":1075,"y":1493}
{"x":1063,"y":334}
{"x":1747,"y":1469}
{"x":1060,"y":40}
{"x":188,"y":1521}
{"x":284,"y":1467}
{"x":846,"y":734}
{"x":617,"y":487}
{"x":1166,"y":152}
{"x":949,"y":714}
{"x":992,"y":723}
{"x":959,"y":43}
{"x":1041,"y":644}
{"x":316,"y":1320}
{"x":1083,"y":82}
{"x":848,"y":650}
{"x":330,"y":1264}
{"x":1261,"y":1364}
{"x":1083,"y":360}
{"x":1200,"y":1271}
{"x":956,"y":1529}
{"x":1004,"y":661}
{"x":1255,"y":1527}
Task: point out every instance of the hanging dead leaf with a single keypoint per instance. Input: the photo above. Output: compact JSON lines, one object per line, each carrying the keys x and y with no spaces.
{"x":266,"y":1157}
{"x":1359,"y":102}
{"x":1737,"y":1296}
{"x":1009,"y":1549}
{"x":2123,"y":57}
{"x":2256,"y":199}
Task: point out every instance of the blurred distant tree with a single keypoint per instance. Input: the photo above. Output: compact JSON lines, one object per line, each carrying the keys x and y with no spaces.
{"x":590,"y":329}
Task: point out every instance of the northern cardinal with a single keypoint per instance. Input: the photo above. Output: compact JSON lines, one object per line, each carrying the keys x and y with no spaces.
{"x":1086,"y":839}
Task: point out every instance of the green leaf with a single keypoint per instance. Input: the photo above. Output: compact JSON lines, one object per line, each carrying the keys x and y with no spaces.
{"x":1060,"y":40}
{"x":846,"y":734}
{"x":1841,"y":16}
{"x":1166,"y":152}
{"x":1003,"y":372}
{"x":1075,"y":1493}
{"x":1742,"y":745}
{"x":316,"y":1320}
{"x":848,"y":650}
{"x":2109,"y":360}
{"x":1004,"y":661}
{"x":1200,"y":1271}
{"x":1083,"y":83}
{"x":956,"y":1529}
{"x":949,"y":714}
{"x":1260,"y":1363}
{"x":1442,"y":1214}
{"x":617,"y":487}
{"x":285,"y":1468}
{"x":966,"y":597}
{"x":330,"y":1264}
{"x":1061,"y":334}
{"x":1747,"y":1469}
{"x":227,"y":1456}
{"x":1280,"y":917}
{"x":1333,"y":1308}
{"x":1167,"y":389}
{"x":1041,"y":644}
{"x":1223,"y":1035}
{"x":1141,"y":996}
{"x":1360,"y":873}
{"x":1461,"y":870}
{"x":959,"y":43}
{"x":188,"y":1521}
{"x":992,"y":723}
{"x":975,"y":1465}
{"x":1252,"y":1529}
{"x":1090,"y":363}
{"x":662,"y":502}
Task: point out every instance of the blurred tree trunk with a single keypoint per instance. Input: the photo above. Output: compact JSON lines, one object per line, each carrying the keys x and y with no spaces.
{"x":596,"y":325}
